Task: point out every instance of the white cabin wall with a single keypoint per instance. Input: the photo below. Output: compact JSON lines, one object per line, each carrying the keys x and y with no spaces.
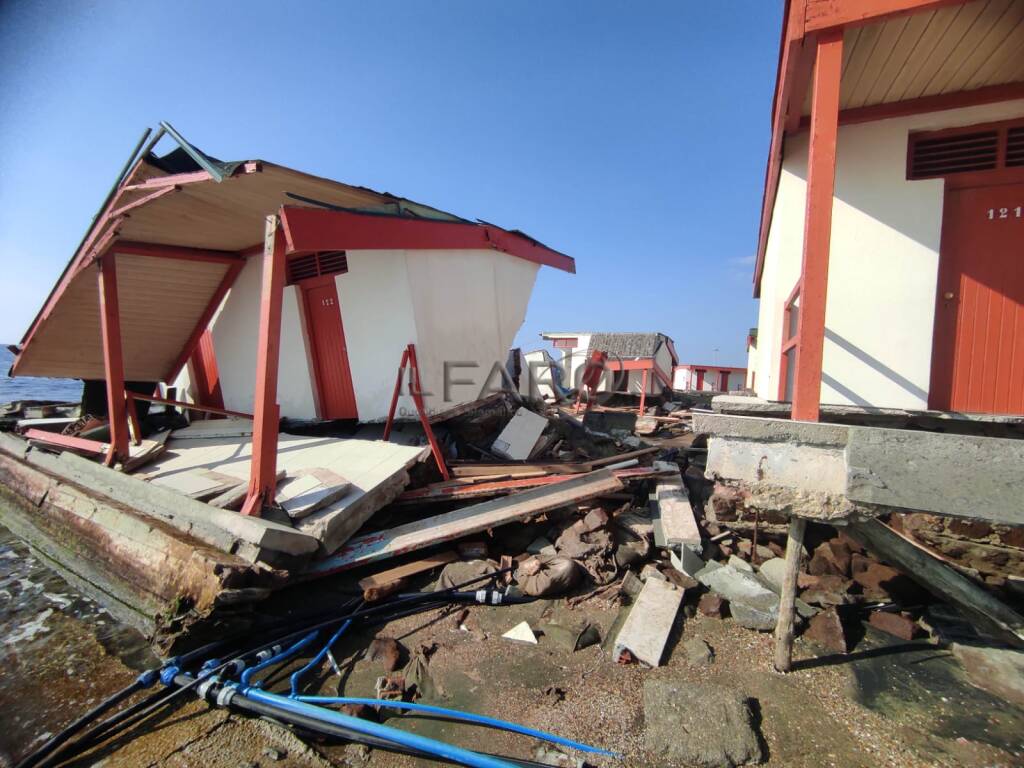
{"x":468,"y":306}
{"x":235,"y":335}
{"x":882,"y":268}
{"x":377,"y":314}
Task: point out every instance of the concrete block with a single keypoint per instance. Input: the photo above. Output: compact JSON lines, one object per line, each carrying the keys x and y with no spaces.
{"x":750,"y":602}
{"x":520,"y":435}
{"x":956,"y":475}
{"x":645,"y":631}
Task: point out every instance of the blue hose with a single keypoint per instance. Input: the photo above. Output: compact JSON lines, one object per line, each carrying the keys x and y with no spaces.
{"x":455,"y":714}
{"x":402,"y":738}
{"x":277,"y":658}
{"x":297,"y":676}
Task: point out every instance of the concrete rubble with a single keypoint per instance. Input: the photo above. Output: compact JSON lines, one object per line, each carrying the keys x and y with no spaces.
{"x":582,"y":520}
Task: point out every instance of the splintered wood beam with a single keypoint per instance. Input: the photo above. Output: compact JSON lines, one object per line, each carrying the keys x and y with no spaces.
{"x":124,"y":209}
{"x":113,"y":360}
{"x":821,"y":174}
{"x":429,"y":531}
{"x":263,"y":470}
{"x":990,"y":614}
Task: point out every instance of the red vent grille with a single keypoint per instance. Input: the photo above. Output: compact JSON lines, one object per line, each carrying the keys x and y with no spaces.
{"x":316,"y":265}
{"x":1015,"y":147}
{"x":962,"y":153}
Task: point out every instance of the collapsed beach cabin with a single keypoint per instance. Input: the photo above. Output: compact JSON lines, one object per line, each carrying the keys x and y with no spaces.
{"x":266,"y":292}
{"x":635,"y":362}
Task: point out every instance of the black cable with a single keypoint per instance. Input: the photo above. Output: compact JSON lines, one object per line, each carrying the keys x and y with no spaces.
{"x":389,"y":610}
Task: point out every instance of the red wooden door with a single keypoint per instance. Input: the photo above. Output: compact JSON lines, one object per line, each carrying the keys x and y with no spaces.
{"x":978,"y":353}
{"x":723,"y":381}
{"x":327,"y":344}
{"x":700,"y":379}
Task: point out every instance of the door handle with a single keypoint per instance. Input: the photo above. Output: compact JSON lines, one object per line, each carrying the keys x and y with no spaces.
{"x":947,"y":295}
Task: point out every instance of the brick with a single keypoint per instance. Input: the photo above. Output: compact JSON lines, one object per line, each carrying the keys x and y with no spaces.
{"x":895,"y":624}
{"x":711,"y":605}
{"x":826,"y":629}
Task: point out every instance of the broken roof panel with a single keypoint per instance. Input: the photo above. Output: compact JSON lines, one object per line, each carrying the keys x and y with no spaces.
{"x":627,"y":345}
{"x":186,"y":199}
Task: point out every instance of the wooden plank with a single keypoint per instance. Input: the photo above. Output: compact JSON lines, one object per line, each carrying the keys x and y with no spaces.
{"x":372,"y":586}
{"x":69,"y":442}
{"x":310,"y":490}
{"x":233,"y":497}
{"x":518,"y":469}
{"x":382,"y":545}
{"x":456,"y":490}
{"x":991,"y":615}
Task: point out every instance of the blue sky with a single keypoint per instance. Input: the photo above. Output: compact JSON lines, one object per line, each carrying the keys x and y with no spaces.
{"x":630,"y":136}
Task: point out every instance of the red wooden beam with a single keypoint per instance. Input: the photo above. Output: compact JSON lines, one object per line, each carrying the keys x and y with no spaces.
{"x":168,"y":181}
{"x":826,"y":14}
{"x":821,"y":171}
{"x":145,"y":200}
{"x":179,"y":252}
{"x":67,"y":441}
{"x":113,"y":360}
{"x":629,"y":365}
{"x":203,"y":324}
{"x":314,"y":229}
{"x":205,"y":372}
{"x":990,"y":94}
{"x":263,"y":471}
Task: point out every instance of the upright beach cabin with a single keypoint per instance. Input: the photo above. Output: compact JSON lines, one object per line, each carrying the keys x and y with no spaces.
{"x":694,"y":377}
{"x":890,"y":263}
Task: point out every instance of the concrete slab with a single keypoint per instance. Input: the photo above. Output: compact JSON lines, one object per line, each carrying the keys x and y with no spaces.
{"x":958,"y":475}
{"x":646,"y":630}
{"x":517,"y":440}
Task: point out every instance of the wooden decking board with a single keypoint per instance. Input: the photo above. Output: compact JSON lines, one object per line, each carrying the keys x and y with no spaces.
{"x":468,"y":520}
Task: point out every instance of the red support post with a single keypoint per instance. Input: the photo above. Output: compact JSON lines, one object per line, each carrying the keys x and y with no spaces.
{"x":821,"y":173}
{"x":263,"y":471}
{"x":113,"y":359}
{"x":416,"y":392}
{"x":643,"y":391}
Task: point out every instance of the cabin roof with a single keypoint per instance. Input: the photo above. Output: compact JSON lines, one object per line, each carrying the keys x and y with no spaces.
{"x":180,"y":225}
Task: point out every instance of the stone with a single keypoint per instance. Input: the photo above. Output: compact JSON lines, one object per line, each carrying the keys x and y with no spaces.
{"x":746,"y":547}
{"x":876,"y":578}
{"x":1000,"y":671}
{"x":540,"y":546}
{"x":826,"y":629}
{"x":680,"y":579}
{"x":711,"y":605}
{"x":895,"y":624}
{"x":627,"y":555}
{"x":740,"y":564}
{"x":631,"y":584}
{"x":751,"y":604}
{"x":823,"y":562}
{"x":688,"y":561}
{"x":386,"y":650}
{"x":274,"y":753}
{"x":698,"y":652}
{"x":594,"y":519}
{"x":773,"y":571}
{"x":645,"y":426}
{"x":699,"y":724}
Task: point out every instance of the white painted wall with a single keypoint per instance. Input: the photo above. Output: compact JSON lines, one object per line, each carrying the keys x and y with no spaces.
{"x":235,"y":334}
{"x":468,"y":307}
{"x":376,"y":303}
{"x":535,"y":379}
{"x":883,"y":263}
{"x":454,"y":305}
{"x":685,"y":378}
